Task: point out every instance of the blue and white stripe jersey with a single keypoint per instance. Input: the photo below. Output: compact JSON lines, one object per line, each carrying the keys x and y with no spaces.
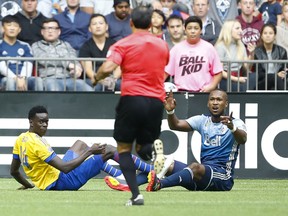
{"x":218,"y":145}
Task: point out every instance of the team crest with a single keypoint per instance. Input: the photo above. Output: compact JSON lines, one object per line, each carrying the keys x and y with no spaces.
{"x":20,"y":52}
{"x":223,"y":8}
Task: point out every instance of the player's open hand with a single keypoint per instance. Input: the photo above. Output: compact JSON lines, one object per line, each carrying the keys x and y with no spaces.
{"x":98,"y":148}
{"x":170,"y":102}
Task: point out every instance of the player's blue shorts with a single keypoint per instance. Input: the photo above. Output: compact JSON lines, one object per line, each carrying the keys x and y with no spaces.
{"x":80,"y":175}
{"x":215,"y":179}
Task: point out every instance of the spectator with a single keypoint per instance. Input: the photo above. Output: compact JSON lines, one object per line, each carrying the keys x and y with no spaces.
{"x":74,"y":24}
{"x":230,"y":48}
{"x":167,"y":8}
{"x":157,"y":23}
{"x":49,"y":8}
{"x":282,"y":28}
{"x":119,"y":20}
{"x":105,"y":7}
{"x":194,"y":63}
{"x":175,"y":30}
{"x":30,"y":21}
{"x":8,"y":8}
{"x":211,"y":28}
{"x":188,"y":5}
{"x":270,"y":11}
{"x":251,"y":25}
{"x":221,"y":10}
{"x":269,"y":73}
{"x":97,"y":47}
{"x":15,"y":74}
{"x":58,"y":75}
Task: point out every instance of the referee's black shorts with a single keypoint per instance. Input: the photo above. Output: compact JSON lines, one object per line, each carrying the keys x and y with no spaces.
{"x":138,"y":118}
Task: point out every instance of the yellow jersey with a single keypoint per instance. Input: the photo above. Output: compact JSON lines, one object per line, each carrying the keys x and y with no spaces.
{"x":34,"y":153}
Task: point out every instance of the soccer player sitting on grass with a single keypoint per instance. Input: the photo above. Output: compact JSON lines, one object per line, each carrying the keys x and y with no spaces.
{"x":221,"y":137}
{"x":47,"y":171}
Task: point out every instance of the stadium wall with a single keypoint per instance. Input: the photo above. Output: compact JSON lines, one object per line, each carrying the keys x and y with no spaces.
{"x":90,"y":117}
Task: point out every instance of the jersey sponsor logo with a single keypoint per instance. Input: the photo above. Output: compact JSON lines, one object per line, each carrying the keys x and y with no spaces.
{"x":192,"y":64}
{"x":222,"y":8}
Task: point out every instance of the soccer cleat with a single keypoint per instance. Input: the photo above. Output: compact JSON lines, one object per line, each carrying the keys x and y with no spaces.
{"x":139,"y":200}
{"x":114,"y":184}
{"x":169,"y":160}
{"x":153,"y":182}
{"x":158,"y":156}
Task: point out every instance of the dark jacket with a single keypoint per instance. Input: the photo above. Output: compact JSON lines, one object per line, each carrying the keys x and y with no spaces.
{"x":30,"y":28}
{"x":278,"y":53}
{"x":212,"y":31}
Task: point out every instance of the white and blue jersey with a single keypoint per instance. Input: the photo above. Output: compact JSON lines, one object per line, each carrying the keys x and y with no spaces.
{"x":218,"y":145}
{"x":18,"y":49}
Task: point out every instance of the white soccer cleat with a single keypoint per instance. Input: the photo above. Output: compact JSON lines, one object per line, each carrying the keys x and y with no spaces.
{"x":158,"y":156}
{"x":169,"y":160}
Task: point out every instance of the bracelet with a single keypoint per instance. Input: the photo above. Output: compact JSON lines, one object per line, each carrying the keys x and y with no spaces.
{"x":233,"y":129}
{"x":170,"y":112}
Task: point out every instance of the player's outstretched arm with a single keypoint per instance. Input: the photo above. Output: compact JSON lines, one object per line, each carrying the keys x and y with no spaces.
{"x":173,"y":121}
{"x":67,"y":166}
{"x":14,"y":171}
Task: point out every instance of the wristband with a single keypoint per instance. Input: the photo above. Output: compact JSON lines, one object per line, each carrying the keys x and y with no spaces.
{"x":233,"y":129}
{"x":170,"y":112}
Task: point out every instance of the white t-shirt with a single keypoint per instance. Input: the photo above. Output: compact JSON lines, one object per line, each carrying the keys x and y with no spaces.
{"x":100,"y":6}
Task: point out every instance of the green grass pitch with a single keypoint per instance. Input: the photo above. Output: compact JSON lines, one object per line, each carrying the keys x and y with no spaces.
{"x":248,"y":197}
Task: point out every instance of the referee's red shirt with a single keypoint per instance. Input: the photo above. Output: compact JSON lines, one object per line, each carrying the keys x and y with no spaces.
{"x":142,"y":57}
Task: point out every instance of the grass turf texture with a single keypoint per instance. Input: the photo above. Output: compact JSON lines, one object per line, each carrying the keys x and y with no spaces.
{"x":248,"y":197}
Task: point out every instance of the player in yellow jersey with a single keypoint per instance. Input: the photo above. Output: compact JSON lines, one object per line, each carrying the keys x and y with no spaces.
{"x":41,"y":164}
{"x":49,"y":172}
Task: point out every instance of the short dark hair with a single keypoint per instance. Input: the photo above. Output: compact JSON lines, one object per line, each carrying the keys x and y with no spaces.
{"x":174,"y":16}
{"x":193,"y":19}
{"x":10,"y":19}
{"x":160,"y":12}
{"x":97,"y":15}
{"x":48,"y":20}
{"x":36,"y":109}
{"x":141,"y":17}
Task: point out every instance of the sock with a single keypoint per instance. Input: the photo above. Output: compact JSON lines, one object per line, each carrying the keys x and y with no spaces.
{"x":111,"y":170}
{"x":139,"y":164}
{"x":182,"y":178}
{"x":129,"y":171}
{"x":141,"y":178}
{"x":178,"y":166}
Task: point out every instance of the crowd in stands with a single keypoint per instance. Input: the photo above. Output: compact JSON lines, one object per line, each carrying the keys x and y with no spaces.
{"x":56,"y":31}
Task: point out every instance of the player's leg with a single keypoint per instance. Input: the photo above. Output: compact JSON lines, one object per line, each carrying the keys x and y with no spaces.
{"x":186,"y":178}
{"x":88,"y":169}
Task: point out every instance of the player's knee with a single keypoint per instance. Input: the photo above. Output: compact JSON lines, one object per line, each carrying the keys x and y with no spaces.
{"x":198,"y":170}
{"x":79,"y":146}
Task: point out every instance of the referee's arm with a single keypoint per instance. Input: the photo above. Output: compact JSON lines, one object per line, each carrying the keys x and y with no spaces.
{"x":104,"y":71}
